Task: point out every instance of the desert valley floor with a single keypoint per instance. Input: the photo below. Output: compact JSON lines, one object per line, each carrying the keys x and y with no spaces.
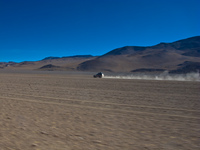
{"x":74,"y":111}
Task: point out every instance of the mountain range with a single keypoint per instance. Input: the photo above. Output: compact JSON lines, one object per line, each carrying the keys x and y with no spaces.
{"x":163,"y":56}
{"x":177,"y":57}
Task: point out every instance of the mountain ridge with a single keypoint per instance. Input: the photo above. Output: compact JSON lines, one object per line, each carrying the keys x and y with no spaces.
{"x":159,"y":57}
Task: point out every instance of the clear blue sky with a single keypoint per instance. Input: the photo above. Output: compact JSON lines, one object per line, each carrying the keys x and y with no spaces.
{"x":34,"y":29}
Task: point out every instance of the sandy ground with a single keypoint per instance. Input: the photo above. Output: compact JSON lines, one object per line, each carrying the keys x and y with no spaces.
{"x":61,"y":111}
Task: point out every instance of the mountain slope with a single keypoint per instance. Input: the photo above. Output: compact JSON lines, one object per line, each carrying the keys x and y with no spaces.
{"x":49,"y":63}
{"x":165,"y":56}
{"x":179,"y":56}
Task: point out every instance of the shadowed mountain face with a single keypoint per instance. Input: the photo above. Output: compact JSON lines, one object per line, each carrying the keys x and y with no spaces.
{"x":164,"y":56}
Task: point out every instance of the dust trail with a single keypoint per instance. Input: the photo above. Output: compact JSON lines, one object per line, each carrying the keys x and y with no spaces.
{"x":163,"y":76}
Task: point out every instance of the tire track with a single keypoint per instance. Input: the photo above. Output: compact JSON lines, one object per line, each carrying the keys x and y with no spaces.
{"x":142,"y":115}
{"x":102,"y":93}
{"x":127,"y":98}
{"x":108,"y":106}
{"x":106,"y":103}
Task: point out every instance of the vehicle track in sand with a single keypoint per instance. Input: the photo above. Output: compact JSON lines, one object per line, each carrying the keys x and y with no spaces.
{"x":148,"y":98}
{"x":105,"y":105}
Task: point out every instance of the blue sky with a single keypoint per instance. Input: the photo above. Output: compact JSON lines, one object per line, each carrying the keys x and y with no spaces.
{"x":33,"y":29}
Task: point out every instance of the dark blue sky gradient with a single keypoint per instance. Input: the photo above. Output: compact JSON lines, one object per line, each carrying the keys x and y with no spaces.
{"x":34,"y":29}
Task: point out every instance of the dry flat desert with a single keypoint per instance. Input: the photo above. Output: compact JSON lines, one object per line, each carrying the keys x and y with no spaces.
{"x":74,"y":111}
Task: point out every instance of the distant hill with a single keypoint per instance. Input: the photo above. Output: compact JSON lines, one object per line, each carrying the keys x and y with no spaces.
{"x":177,"y":57}
{"x":51,"y":63}
{"x":75,"y":56}
{"x":51,"y":57}
{"x":65,"y":63}
{"x":163,"y":56}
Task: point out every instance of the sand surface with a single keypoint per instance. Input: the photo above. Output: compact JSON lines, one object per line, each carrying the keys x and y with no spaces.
{"x":73,"y":111}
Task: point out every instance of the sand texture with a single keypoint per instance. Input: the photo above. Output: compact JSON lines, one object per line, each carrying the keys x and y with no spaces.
{"x":61,"y":111}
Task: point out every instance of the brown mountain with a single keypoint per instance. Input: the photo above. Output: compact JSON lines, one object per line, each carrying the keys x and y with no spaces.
{"x":164,"y":56}
{"x":49,"y":63}
{"x":177,"y":57}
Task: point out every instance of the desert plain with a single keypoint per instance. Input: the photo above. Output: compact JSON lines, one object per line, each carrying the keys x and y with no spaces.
{"x":74,"y":111}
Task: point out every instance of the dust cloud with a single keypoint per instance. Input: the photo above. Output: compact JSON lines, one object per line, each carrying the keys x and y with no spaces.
{"x":163,"y":76}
